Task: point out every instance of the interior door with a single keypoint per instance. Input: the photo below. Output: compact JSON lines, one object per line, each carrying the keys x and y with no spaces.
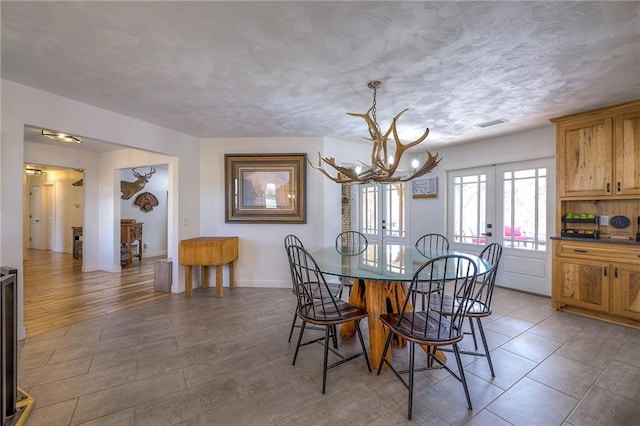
{"x":509,"y":204}
{"x":35,"y":213}
{"x":50,"y":215}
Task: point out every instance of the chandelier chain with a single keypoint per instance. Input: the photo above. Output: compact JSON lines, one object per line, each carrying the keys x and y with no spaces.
{"x":373,"y":112}
{"x":374,"y":84}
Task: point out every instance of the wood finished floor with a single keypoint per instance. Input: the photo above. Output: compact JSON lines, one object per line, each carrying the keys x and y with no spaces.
{"x":57,"y":293}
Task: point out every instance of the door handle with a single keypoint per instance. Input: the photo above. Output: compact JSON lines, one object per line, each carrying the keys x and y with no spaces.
{"x":487,"y":234}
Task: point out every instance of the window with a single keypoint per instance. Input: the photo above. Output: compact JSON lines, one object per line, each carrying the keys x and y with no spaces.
{"x":469,"y":206}
{"x":524,"y":208}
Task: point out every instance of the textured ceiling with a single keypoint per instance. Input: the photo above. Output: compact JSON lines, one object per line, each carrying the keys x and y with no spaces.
{"x":226,"y":69}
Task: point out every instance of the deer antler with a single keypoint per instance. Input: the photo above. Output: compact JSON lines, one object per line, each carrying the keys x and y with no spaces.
{"x":379,"y":170}
{"x":152,"y":170}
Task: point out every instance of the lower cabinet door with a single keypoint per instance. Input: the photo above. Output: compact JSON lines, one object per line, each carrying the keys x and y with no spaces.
{"x":583,"y":283}
{"x":625,"y":290}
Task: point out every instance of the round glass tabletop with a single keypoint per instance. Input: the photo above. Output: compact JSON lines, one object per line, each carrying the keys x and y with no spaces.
{"x":388,"y":262}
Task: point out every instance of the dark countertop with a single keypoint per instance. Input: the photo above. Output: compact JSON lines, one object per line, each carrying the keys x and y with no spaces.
{"x":597,"y":240}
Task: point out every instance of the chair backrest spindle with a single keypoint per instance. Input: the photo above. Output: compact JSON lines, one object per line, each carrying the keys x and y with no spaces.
{"x":351,"y":243}
{"x":432,"y":244}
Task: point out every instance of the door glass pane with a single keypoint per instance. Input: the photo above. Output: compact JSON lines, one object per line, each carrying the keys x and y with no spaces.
{"x":369,"y":209}
{"x":524,"y":213}
{"x":382,"y":208}
{"x":469,"y":208}
{"x":395,"y":214}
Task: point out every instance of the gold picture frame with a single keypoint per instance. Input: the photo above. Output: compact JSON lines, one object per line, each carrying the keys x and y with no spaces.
{"x":265,"y":188}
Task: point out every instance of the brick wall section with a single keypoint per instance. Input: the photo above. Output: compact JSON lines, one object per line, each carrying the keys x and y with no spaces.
{"x":346,"y":207}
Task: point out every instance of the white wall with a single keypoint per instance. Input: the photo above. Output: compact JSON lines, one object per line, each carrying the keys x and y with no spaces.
{"x":261,"y":259}
{"x":23,"y":105}
{"x":154,"y":228}
{"x":429,"y":214}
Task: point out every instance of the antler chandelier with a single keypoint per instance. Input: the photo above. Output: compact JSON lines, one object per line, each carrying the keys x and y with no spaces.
{"x":383,"y":168}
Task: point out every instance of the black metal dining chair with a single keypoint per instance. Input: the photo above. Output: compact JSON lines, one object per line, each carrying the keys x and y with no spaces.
{"x":292,"y":240}
{"x":479,"y":301}
{"x":317,"y":305}
{"x":351,"y":243}
{"x":336,"y":288}
{"x":429,"y":327}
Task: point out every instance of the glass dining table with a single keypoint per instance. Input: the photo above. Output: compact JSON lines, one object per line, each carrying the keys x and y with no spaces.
{"x":381,"y":275}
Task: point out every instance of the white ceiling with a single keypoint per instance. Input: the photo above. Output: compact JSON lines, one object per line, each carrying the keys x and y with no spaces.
{"x":257,"y":69}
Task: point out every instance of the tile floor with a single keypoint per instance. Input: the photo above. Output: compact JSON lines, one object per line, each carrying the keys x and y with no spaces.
{"x":208,"y":361}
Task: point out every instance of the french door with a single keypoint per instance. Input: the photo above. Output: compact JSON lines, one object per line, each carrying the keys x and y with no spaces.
{"x":381,"y":211}
{"x":508,"y":204}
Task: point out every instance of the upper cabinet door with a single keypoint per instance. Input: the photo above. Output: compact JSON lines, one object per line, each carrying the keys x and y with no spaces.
{"x":585,"y":158}
{"x":627,"y":137}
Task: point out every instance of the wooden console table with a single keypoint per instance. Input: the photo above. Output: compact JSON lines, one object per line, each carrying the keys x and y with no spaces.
{"x":205,"y":252}
{"x":130,"y":232}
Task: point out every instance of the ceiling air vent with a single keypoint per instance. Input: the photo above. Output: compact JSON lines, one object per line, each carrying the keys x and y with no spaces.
{"x":491,"y":123}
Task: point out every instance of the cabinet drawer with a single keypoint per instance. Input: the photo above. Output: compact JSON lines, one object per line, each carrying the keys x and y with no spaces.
{"x":596,"y":251}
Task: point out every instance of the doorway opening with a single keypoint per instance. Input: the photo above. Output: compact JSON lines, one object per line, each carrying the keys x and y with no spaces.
{"x":53,"y":200}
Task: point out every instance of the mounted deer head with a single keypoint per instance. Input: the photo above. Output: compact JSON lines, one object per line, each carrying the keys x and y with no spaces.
{"x":130,"y":188}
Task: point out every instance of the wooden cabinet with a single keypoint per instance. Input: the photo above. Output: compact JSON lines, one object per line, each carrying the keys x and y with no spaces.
{"x":583,"y":283}
{"x":77,"y":242}
{"x":130,"y":235}
{"x":597,"y":277}
{"x":625,"y":291}
{"x":598,"y":171}
{"x":598,"y":152}
{"x":627,"y":153}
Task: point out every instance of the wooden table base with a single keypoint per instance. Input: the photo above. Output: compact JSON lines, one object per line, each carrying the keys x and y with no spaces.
{"x":379,"y":297}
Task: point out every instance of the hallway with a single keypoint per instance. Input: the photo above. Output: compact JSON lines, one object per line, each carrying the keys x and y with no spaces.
{"x":57,"y":293}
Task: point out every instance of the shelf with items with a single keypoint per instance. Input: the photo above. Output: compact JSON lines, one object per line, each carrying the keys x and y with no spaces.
{"x":577,"y":231}
{"x":616,"y":219}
